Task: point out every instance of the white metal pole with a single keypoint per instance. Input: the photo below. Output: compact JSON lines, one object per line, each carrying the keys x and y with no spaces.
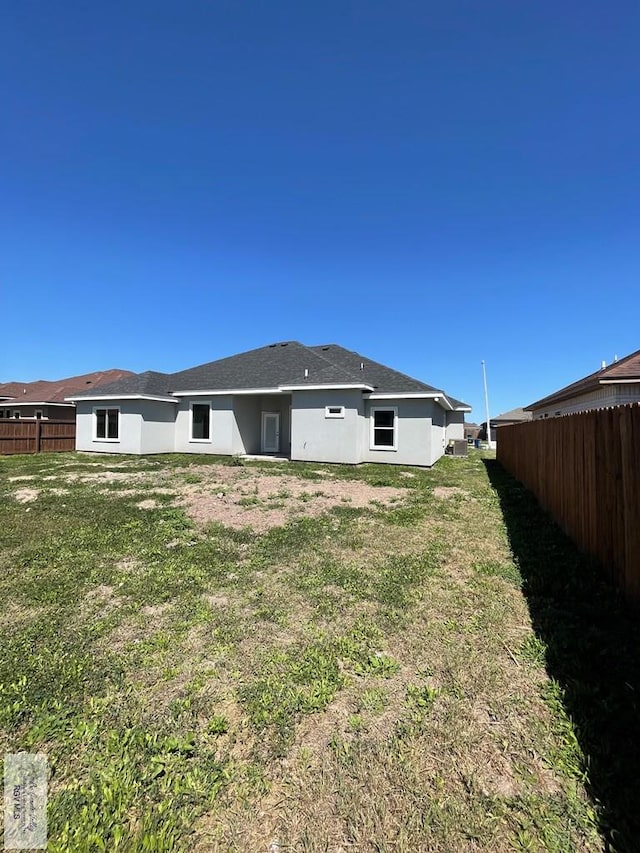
{"x":486,"y":404}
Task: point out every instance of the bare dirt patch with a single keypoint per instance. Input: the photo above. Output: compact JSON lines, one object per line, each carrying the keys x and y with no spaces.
{"x":149,"y":503}
{"x":25,"y":496}
{"x":449,"y":492}
{"x":243,"y":497}
{"x":262,"y":501}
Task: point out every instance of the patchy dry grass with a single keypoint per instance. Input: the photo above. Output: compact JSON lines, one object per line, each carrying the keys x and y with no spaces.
{"x":326,"y":658}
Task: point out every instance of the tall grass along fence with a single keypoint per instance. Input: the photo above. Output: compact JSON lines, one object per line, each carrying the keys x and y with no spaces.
{"x":584,"y":469}
{"x":36,"y":436}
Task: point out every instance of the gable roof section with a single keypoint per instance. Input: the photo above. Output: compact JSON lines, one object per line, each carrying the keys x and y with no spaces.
{"x":147,"y":384}
{"x":383,"y":379}
{"x":43,"y":391}
{"x":626,"y":369}
{"x":281,"y":364}
{"x":285,"y":365}
{"x":512,"y":416}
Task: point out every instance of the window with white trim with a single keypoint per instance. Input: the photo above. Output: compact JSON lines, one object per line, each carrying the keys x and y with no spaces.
{"x":107,"y":424}
{"x":334,"y":412}
{"x":384,"y":428}
{"x":200,"y":422}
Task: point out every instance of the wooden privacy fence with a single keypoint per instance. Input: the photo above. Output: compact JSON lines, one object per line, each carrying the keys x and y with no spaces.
{"x":36,"y":436}
{"x":584,"y":469}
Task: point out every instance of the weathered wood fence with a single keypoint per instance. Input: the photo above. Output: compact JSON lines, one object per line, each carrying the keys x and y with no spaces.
{"x":584,"y":469}
{"x":36,"y":436}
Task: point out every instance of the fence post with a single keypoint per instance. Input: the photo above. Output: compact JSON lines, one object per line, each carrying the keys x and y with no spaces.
{"x":37,"y":435}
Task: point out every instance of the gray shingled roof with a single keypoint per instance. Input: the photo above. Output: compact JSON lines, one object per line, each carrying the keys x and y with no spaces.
{"x":382,"y":378}
{"x":267,"y":367}
{"x":276,"y":365}
{"x":149,"y":383}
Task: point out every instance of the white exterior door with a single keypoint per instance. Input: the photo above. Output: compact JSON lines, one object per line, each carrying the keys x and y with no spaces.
{"x":271,"y":432}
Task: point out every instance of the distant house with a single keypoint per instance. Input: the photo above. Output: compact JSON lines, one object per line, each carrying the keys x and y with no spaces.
{"x":46,"y":399}
{"x":513,"y":416}
{"x":307,"y":403}
{"x":471,"y":431}
{"x":610,"y":386}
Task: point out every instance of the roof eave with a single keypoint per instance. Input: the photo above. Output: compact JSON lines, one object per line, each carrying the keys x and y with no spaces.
{"x":98,"y":397}
{"x":437,"y":396}
{"x":329,"y":386}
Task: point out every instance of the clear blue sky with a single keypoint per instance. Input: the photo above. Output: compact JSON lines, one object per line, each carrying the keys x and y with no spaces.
{"x":429,"y":183}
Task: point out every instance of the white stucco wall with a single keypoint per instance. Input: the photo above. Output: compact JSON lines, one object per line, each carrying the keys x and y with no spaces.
{"x":158,"y":426}
{"x":420,"y":433}
{"x":222,"y":427}
{"x":423,"y":427}
{"x":247,"y":424}
{"x":130,"y":427}
{"x":455,"y":426}
{"x":316,"y":438}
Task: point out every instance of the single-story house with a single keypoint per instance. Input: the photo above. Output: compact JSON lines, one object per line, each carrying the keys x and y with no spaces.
{"x":307,"y":403}
{"x":513,"y":416}
{"x":615,"y":385}
{"x":47,"y":400}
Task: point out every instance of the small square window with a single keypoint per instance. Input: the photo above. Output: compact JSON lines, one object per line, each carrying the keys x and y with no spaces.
{"x":334,"y":412}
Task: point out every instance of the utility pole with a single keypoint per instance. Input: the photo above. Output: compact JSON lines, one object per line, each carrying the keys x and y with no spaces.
{"x":486,"y":404}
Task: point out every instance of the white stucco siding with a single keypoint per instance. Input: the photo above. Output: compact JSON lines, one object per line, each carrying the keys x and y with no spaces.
{"x":420,"y":433}
{"x":222,"y":427}
{"x":130,"y":424}
{"x":158,"y":426}
{"x":247,"y":424}
{"x":455,"y":426}
{"x":317,"y":438}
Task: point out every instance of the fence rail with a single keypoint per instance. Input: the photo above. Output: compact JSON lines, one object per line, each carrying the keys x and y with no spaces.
{"x":584,"y":469}
{"x":36,"y":436}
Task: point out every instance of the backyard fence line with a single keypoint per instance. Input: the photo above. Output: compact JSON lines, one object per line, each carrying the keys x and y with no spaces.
{"x":36,"y":436}
{"x":584,"y":469}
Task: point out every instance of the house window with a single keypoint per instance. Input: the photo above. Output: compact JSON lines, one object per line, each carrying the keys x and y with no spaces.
{"x":16,"y":415}
{"x":334,"y":412}
{"x":38,"y":414}
{"x":201,"y":422}
{"x":107,"y":424}
{"x":384,"y":428}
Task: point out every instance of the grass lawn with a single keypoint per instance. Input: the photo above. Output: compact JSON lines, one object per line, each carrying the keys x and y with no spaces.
{"x":270,"y":657}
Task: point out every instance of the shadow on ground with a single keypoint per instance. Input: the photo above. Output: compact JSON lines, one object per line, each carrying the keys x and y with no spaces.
{"x":593,"y":653}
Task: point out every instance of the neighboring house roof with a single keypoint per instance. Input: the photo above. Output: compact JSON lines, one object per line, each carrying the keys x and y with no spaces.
{"x":43,"y":392}
{"x":13,"y":390}
{"x":280,"y":366}
{"x":624,"y":370}
{"x":512,"y":416}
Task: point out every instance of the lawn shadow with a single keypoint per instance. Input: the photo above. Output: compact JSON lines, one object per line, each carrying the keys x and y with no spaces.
{"x":593,"y":653}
